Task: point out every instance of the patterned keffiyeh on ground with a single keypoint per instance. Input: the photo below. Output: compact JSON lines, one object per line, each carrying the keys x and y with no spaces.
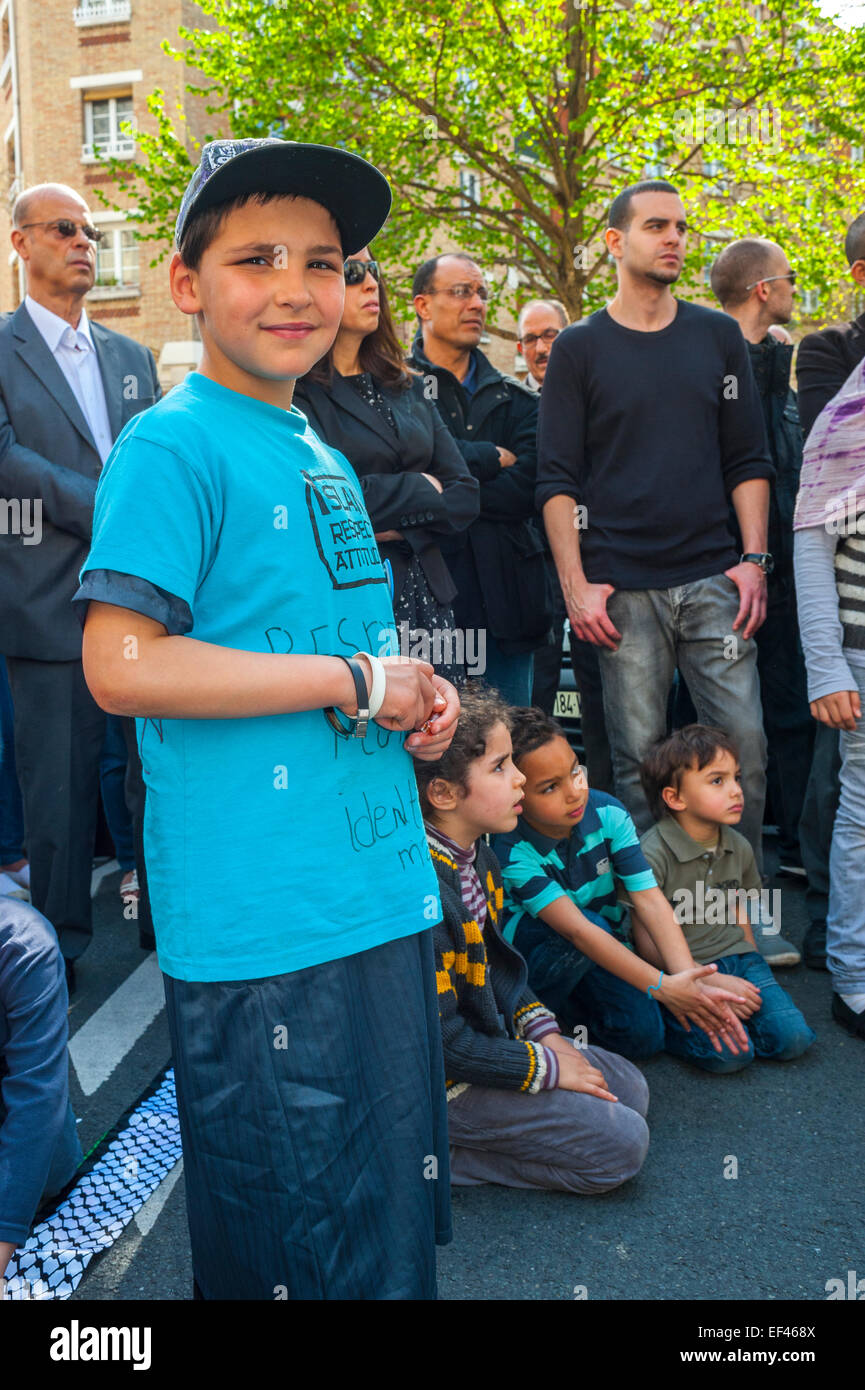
{"x":102,"y":1202}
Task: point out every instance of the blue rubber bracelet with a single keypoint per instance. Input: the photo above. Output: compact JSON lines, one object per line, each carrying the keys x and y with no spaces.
{"x":657,"y":986}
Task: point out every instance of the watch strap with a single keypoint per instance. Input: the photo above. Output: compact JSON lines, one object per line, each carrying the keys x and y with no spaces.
{"x":361,"y":720}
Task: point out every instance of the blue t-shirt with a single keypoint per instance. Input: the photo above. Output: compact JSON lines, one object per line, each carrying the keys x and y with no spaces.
{"x":271,"y":843}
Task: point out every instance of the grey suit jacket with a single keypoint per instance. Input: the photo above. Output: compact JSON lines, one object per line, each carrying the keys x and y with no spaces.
{"x":49,"y":465}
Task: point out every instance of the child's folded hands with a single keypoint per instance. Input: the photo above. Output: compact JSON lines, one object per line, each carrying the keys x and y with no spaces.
{"x":687,"y":997}
{"x":748,"y":998}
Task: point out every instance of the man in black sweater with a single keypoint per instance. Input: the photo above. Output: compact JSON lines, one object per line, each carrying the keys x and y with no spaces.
{"x":649,"y":425}
{"x":498,"y":562}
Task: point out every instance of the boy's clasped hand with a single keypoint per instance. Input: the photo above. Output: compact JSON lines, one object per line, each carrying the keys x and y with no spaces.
{"x":417,"y":700}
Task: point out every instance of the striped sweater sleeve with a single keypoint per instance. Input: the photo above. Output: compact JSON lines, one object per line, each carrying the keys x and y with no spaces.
{"x":470,"y":1056}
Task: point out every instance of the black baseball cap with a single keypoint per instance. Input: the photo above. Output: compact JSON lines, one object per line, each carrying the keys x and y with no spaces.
{"x":354,"y":192}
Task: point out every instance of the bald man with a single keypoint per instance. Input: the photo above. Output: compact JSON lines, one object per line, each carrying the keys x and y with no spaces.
{"x":67,"y":388}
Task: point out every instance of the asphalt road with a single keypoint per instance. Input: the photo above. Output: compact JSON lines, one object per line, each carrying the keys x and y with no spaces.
{"x":791,"y":1220}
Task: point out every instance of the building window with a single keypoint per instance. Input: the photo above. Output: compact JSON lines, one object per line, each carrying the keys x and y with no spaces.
{"x":810,"y":302}
{"x":101,"y":12}
{"x":470,"y":189}
{"x":117,"y":259}
{"x":103,"y":117}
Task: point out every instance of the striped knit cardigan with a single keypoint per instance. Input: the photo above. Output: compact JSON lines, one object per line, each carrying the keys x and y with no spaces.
{"x":484,"y":1004}
{"x":850,"y":582}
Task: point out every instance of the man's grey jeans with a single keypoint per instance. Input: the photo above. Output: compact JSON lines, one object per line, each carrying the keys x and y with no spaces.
{"x":689,"y":627}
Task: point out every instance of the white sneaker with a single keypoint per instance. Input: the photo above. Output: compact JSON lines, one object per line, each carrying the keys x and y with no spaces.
{"x":10,"y":889}
{"x":21,"y":876}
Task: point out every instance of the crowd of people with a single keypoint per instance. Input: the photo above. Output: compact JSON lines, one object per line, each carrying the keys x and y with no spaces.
{"x":323,"y":564}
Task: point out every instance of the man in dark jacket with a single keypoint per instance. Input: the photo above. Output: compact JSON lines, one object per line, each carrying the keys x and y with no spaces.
{"x":498,"y":563}
{"x":753,"y":281}
{"x":67,"y":388}
{"x":824,"y":362}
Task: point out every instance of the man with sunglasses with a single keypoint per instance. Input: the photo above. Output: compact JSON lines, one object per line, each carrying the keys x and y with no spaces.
{"x":67,"y":388}
{"x":755,"y":285}
{"x":498,"y":562}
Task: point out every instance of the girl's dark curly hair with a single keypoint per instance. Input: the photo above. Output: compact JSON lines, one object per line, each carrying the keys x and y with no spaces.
{"x":481,"y":709}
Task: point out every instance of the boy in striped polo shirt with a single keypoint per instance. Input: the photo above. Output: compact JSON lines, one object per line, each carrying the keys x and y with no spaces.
{"x":572,"y":857}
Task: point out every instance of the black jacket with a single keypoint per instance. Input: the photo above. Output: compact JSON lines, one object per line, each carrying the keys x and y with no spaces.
{"x":388,"y":466}
{"x":771,"y":362}
{"x":824,"y":363}
{"x":499,"y":564}
{"x":49,"y":458}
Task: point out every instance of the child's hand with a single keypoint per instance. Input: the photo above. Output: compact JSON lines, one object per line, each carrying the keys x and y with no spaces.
{"x":435,"y":733}
{"x":576,"y":1074}
{"x":842,"y":710}
{"x":749,"y":997}
{"x":686,"y":999}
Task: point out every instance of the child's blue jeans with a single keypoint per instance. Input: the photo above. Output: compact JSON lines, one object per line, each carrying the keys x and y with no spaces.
{"x":624,"y":1020}
{"x":777,"y":1030}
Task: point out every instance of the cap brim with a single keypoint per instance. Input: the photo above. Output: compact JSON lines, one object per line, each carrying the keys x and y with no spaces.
{"x":353,"y":190}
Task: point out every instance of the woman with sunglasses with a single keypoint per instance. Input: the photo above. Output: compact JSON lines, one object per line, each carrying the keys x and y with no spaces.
{"x":362,"y":400}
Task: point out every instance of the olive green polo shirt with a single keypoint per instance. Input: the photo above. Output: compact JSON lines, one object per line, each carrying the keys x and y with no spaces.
{"x":701,"y":885}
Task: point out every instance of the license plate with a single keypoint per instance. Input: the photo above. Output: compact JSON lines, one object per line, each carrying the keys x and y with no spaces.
{"x":567,"y":704}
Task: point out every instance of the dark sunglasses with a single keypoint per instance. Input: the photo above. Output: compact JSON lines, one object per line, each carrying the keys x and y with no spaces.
{"x":355,"y":271}
{"x":67,"y":228}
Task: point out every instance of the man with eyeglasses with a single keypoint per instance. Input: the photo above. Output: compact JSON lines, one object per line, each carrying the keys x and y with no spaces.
{"x":539,"y":324}
{"x":498,"y":562}
{"x":67,"y":388}
{"x":754,"y":284}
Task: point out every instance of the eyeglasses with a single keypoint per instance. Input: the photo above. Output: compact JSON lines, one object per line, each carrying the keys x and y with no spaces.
{"x":67,"y":228}
{"x":464,"y":292}
{"x":549,"y":335}
{"x":791,"y":276}
{"x":355,"y":271}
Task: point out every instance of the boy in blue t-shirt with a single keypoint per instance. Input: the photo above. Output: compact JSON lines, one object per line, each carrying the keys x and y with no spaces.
{"x":235,"y":599}
{"x":573,"y":851}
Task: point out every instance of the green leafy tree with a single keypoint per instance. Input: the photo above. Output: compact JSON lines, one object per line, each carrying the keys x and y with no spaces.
{"x":507,"y":127}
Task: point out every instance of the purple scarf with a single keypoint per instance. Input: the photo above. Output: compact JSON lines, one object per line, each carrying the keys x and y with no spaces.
{"x":832,"y":482}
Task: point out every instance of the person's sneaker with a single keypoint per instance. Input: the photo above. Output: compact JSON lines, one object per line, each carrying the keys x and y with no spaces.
{"x":814,"y":947}
{"x":21,"y":876}
{"x":10,"y":889}
{"x":794,"y":870}
{"x":773,"y":947}
{"x":847,"y":1017}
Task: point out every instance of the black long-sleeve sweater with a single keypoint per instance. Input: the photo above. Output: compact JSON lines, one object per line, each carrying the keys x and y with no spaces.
{"x":651,"y":432}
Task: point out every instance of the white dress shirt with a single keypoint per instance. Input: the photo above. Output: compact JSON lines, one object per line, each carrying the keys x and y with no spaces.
{"x":75,"y":355}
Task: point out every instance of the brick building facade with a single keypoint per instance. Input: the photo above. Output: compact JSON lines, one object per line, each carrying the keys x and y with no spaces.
{"x":70,"y":76}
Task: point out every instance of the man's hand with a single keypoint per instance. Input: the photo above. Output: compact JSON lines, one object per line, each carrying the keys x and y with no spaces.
{"x":7,"y":1250}
{"x":506,"y":458}
{"x":843,"y":710}
{"x":388,"y":535}
{"x":435,"y":482}
{"x":751,"y":583}
{"x":577,"y":1074}
{"x":587,"y":614}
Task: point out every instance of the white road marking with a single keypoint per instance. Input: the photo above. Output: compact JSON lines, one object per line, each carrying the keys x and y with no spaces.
{"x":146,"y":1215}
{"x":99,"y":874}
{"x":101,"y":1043}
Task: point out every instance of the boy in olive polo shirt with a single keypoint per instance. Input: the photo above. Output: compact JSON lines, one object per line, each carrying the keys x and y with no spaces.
{"x":707,"y":871}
